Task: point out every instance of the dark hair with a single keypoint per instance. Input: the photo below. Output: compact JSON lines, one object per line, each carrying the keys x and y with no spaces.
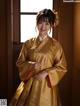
{"x":44,"y":15}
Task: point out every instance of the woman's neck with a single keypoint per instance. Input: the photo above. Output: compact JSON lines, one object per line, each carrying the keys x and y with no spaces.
{"x":42,"y":37}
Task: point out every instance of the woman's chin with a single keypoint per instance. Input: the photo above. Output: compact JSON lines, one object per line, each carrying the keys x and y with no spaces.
{"x":42,"y":33}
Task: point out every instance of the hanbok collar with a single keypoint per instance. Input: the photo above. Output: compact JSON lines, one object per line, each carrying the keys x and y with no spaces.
{"x":41,"y":44}
{"x":42,"y":39}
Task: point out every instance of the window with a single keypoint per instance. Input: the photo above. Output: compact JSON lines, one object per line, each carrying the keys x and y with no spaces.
{"x":28,"y":11}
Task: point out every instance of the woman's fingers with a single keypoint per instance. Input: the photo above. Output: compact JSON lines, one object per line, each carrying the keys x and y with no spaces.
{"x":40,"y":76}
{"x":37,"y":66}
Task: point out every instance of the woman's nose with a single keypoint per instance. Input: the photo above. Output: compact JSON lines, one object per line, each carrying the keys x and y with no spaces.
{"x":43,"y":26}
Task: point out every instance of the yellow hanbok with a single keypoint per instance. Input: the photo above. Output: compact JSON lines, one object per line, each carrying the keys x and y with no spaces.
{"x":35,"y":92}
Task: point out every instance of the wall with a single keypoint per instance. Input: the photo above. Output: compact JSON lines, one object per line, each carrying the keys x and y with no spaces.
{"x":6,"y":50}
{"x":76,"y":66}
{"x":65,"y":37}
{"x":3,"y":51}
{"x":69,"y":36}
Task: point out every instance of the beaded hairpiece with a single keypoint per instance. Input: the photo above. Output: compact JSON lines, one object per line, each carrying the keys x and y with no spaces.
{"x":56,"y":22}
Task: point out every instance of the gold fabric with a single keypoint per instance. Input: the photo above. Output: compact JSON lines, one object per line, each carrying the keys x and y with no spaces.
{"x":34,"y":92}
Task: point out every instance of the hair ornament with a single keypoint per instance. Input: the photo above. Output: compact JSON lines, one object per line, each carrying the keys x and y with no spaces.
{"x":56,"y":22}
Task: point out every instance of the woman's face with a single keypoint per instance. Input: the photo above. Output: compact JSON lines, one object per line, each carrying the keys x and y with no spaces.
{"x":43,"y":27}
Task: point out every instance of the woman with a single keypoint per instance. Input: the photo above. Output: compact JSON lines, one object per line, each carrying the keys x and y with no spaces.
{"x":41,"y":66}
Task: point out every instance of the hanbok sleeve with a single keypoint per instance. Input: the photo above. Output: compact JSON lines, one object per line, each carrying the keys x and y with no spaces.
{"x":56,"y":73}
{"x":24,"y":66}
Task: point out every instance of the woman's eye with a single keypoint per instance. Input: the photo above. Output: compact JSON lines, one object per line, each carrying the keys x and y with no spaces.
{"x":40,"y":22}
{"x":47,"y":23}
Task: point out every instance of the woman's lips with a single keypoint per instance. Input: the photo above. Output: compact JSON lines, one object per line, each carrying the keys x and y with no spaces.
{"x":43,"y":30}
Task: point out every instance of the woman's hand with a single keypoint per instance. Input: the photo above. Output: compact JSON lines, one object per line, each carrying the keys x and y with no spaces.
{"x":41,"y":75}
{"x":31,"y":69}
{"x":37,"y":66}
{"x":34,"y":66}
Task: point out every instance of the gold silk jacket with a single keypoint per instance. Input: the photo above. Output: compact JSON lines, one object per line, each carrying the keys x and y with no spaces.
{"x":34,"y":92}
